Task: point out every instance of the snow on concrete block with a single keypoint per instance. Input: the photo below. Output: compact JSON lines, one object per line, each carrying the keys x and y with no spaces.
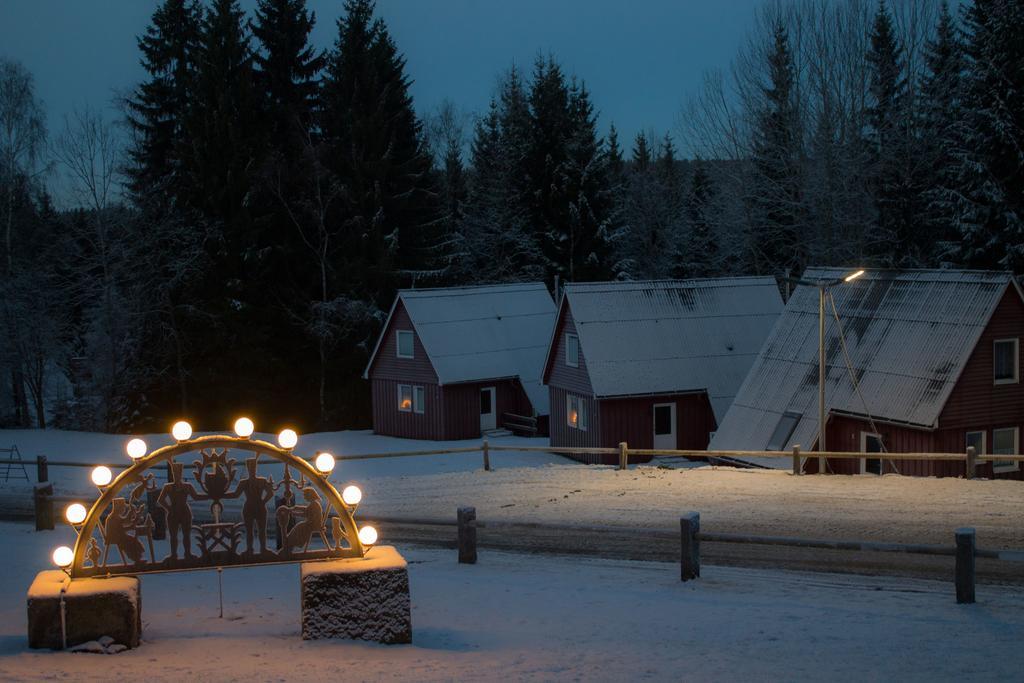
{"x":103,"y":610}
{"x":360,"y":599}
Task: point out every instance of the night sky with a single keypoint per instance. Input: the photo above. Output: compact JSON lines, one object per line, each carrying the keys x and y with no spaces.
{"x":639,"y":59}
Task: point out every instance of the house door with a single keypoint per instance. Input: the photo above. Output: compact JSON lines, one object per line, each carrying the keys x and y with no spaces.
{"x":665,"y":426}
{"x":488,"y":412}
{"x":870,"y":443}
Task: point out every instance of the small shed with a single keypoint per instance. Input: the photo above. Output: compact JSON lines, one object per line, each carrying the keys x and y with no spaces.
{"x":653,"y":363}
{"x":931,"y":365}
{"x":456,"y":362}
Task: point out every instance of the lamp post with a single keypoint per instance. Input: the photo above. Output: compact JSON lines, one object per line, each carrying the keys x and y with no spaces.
{"x":823,"y":286}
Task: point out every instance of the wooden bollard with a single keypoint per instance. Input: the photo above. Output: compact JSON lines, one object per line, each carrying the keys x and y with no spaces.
{"x":965,"y":545}
{"x":157,"y":514}
{"x":487,"y":456}
{"x":467,"y":535}
{"x":623,"y":455}
{"x":42,"y":500}
{"x":797,"y":469}
{"x":42,"y":469}
{"x":689,"y":546}
{"x":970,"y":463}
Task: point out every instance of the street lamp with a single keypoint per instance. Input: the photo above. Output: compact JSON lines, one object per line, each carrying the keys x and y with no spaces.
{"x":822,"y":286}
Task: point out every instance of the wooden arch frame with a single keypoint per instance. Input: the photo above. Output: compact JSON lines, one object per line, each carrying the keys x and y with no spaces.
{"x":133,"y":474}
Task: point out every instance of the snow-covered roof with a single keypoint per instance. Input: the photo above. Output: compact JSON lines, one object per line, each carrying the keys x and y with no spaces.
{"x":487,"y":332}
{"x":908,"y":334}
{"x":671,"y":336}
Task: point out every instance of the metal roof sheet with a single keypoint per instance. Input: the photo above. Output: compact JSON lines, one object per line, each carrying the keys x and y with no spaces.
{"x":672,"y":336}
{"x":908,"y":333}
{"x":488,"y":332}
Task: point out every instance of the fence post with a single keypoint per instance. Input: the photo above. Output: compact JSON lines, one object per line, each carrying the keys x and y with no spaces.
{"x":797,"y":470}
{"x":689,"y":547}
{"x":487,"y":456}
{"x":42,"y":470}
{"x":970,"y":463}
{"x":467,"y":535}
{"x":42,"y":499}
{"x":623,"y":455}
{"x":965,"y":543}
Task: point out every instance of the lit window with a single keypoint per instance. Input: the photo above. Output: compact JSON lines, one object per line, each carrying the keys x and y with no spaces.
{"x":572,"y":350}
{"x":405,"y":398}
{"x":1005,"y":442}
{"x":405,"y":344}
{"x":1005,"y":369}
{"x":576,"y":412}
{"x":783,"y":430}
{"x":419,"y":402}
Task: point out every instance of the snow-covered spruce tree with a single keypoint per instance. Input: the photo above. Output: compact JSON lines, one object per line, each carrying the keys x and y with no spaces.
{"x":156,"y":109}
{"x":987,"y":188}
{"x":446,"y":138}
{"x":941,"y":112}
{"x":896,"y":178}
{"x":697,"y":250}
{"x":649,"y":238}
{"x":390,"y":208}
{"x":568,"y":190}
{"x":775,"y":239}
{"x":495,"y":243}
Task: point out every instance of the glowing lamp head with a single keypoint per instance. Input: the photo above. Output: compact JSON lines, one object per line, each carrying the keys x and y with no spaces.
{"x":853,"y":276}
{"x":324,"y":463}
{"x":136,"y":448}
{"x":352,"y":495}
{"x":63,"y":556}
{"x":181,"y":431}
{"x":101,"y":476}
{"x":287,"y":438}
{"x":367,"y":535}
{"x":244,"y":427}
{"x":75,"y":513}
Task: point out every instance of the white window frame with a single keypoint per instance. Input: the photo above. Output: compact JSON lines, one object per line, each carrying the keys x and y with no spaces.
{"x":998,"y":468}
{"x":398,"y":344}
{"x":576,"y":362}
{"x":402,"y":388}
{"x":419,"y":399}
{"x":581,"y":412}
{"x":1016,"y":360}
{"x":984,"y":442}
{"x":864,"y":461}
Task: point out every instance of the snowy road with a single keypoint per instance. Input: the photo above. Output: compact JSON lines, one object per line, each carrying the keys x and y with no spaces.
{"x":528,"y":618}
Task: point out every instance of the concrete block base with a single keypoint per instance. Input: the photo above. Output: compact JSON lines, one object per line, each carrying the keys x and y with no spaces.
{"x":109,"y":609}
{"x":359,"y":599}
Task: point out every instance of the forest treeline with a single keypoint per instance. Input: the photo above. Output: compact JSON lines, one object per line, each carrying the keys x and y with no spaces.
{"x":240,"y":232}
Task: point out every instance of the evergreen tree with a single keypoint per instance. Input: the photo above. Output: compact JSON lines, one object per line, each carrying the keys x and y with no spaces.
{"x":775,"y":241}
{"x":941,"y":95}
{"x":697,"y":252}
{"x":390,"y":207}
{"x":641,"y":153}
{"x":616,"y":164}
{"x":989,"y":169}
{"x":287,"y":68}
{"x":156,"y":110}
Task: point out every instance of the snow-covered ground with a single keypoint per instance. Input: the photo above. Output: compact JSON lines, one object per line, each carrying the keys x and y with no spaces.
{"x":514,"y":617}
{"x":540,"y":487}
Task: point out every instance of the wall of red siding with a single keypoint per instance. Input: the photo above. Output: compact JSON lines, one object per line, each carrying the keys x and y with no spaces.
{"x":389,"y":420}
{"x":387,"y":364}
{"x":462,"y":405}
{"x":564,"y":435}
{"x":632,"y":420}
{"x":576,"y":380}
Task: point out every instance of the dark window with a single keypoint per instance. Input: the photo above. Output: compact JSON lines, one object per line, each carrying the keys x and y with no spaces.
{"x":485,"y":402}
{"x":662,"y":420}
{"x":783,"y":430}
{"x":405,"y":344}
{"x":1004,"y":361}
{"x":872,"y":444}
{"x":572,"y":350}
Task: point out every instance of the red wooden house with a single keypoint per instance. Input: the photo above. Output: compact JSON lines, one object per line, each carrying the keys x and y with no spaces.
{"x":654,"y":364}
{"x":457,"y":362}
{"x":936,"y":356}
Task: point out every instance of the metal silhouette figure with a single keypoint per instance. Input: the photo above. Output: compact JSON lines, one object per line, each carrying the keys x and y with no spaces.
{"x":312,"y":514}
{"x":119,"y":532}
{"x":257,"y":492}
{"x":173,"y":498}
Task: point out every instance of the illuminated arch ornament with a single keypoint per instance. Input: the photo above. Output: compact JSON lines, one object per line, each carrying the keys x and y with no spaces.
{"x":116,"y":535}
